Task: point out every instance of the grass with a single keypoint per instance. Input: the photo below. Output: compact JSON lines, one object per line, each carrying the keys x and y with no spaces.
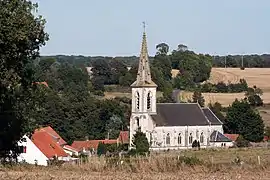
{"x":203,"y":164}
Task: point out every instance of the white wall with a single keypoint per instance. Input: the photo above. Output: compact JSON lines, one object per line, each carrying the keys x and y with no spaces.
{"x":143,"y":92}
{"x":145,"y":123}
{"x":160,"y":134}
{"x":32,"y":153}
{"x":221,"y":144}
{"x":70,"y":152}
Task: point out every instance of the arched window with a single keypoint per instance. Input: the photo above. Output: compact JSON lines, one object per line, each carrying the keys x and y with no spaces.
{"x":179,"y":139}
{"x":137,"y":101}
{"x":168,"y":139}
{"x":190,"y":138}
{"x":138,"y":122}
{"x":149,"y":101}
{"x":151,"y":139}
{"x":201,"y":138}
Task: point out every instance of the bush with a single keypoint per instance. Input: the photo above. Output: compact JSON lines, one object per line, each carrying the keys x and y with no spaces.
{"x":101,"y":149}
{"x":241,"y":142}
{"x":221,"y":87}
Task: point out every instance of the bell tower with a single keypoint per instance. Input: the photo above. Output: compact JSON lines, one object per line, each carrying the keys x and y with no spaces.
{"x":144,"y":89}
{"x":143,"y":95}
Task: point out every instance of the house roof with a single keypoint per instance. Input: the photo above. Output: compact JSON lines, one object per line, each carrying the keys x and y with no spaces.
{"x":53,"y":134}
{"x":179,"y":114}
{"x":80,"y":145}
{"x":232,"y":137}
{"x":47,"y":145}
{"x":124,"y":137}
{"x":218,"y":137}
{"x":211,"y":116}
{"x":43,"y":83}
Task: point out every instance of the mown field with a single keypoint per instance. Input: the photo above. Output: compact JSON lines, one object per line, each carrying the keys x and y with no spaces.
{"x":253,"y":76}
{"x":188,"y":165}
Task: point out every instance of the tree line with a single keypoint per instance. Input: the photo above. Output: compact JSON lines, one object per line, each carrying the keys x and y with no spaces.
{"x":249,"y":61}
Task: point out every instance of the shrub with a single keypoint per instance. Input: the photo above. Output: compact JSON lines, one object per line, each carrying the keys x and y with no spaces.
{"x":101,"y":149}
{"x":241,"y":142}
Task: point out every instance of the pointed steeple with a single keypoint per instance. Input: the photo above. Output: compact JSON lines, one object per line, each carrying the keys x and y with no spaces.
{"x":144,"y":74}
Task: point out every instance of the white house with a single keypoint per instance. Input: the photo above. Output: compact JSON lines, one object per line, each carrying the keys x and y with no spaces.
{"x":71,"y":150}
{"x":168,"y":125}
{"x":30,"y":153}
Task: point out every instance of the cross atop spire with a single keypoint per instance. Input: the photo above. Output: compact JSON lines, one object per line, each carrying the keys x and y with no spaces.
{"x":144,"y":74}
{"x":143,"y":26}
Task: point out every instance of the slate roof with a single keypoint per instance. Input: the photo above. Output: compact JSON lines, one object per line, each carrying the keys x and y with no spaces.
{"x":211,"y":117}
{"x":179,"y":114}
{"x":218,"y":137}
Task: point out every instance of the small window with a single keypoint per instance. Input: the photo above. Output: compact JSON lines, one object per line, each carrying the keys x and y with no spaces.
{"x":168,"y":139}
{"x":179,"y":139}
{"x":138,"y":122}
{"x":148,"y":101}
{"x":201,"y":138}
{"x":22,"y":149}
{"x":138,"y":101}
{"x":190,"y":139}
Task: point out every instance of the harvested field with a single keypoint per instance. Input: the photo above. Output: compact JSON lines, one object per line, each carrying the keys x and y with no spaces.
{"x":223,"y":98}
{"x":253,"y":76}
{"x":203,"y":164}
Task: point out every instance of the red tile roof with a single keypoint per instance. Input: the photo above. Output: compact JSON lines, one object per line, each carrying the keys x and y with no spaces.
{"x":52,"y":133}
{"x":232,"y":137}
{"x":124,"y":137}
{"x":47,"y":145}
{"x":91,"y":144}
{"x":43,"y":83}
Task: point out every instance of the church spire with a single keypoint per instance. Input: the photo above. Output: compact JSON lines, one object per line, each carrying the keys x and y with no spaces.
{"x":144,"y":74}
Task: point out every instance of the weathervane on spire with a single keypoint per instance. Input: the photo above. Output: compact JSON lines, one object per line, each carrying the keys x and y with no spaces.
{"x":143,"y":26}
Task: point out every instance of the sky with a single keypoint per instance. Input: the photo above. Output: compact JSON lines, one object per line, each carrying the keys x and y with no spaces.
{"x":114,"y":28}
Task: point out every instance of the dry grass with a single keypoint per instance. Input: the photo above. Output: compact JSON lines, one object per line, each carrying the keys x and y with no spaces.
{"x":253,"y":76}
{"x":214,"y":164}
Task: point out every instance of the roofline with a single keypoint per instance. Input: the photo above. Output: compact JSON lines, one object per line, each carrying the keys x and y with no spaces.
{"x":213,"y":114}
{"x":178,"y":103}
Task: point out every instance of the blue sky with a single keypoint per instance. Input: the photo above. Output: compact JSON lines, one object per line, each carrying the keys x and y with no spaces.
{"x":114,"y":28}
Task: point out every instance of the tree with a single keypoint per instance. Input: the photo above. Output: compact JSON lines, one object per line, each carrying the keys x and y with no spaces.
{"x":197,"y":97}
{"x":140,"y":143}
{"x":113,"y":127}
{"x":253,"y":95}
{"x":101,"y":149}
{"x":162,"y":49}
{"x":242,"y":142}
{"x":21,"y":36}
{"x":243,"y":120}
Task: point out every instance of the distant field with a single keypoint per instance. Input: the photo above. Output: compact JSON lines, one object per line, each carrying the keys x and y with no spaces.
{"x":253,"y":76}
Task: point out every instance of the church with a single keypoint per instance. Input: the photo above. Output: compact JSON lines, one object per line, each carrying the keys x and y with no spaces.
{"x":170,"y":125}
